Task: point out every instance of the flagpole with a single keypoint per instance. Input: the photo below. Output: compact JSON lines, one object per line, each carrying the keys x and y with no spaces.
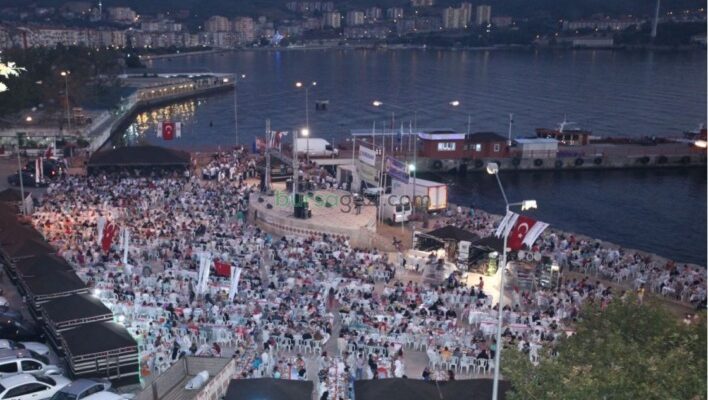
{"x":493,"y":169}
{"x":511,"y":121}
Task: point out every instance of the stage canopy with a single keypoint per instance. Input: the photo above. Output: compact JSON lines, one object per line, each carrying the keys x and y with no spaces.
{"x":267,"y":388}
{"x":451,"y":232}
{"x":139,"y":157}
{"x":415,"y":389}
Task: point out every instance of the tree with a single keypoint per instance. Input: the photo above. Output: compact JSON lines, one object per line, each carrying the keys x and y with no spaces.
{"x":8,"y":70}
{"x":627,"y":351}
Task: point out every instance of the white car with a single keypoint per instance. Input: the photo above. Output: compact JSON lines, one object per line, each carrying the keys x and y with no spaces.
{"x":30,"y":387}
{"x":39,"y":348}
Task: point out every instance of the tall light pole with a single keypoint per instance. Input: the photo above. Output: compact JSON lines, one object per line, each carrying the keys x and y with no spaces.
{"x":301,"y":85}
{"x":377,"y":103}
{"x":66,"y":74}
{"x":493,"y":169}
{"x":306,"y":133}
{"x":236,"y":79}
{"x":411,"y":171}
{"x":19,"y":170}
{"x":456,"y":103}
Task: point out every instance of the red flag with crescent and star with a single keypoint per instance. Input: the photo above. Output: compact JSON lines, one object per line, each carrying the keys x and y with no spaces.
{"x":518,"y":233}
{"x":109,"y":231}
{"x":168,"y":130}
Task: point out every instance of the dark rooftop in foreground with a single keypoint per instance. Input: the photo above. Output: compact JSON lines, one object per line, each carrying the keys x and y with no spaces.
{"x":140,"y":156}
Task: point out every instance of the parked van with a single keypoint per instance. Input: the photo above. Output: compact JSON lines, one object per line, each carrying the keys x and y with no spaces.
{"x":13,"y":362}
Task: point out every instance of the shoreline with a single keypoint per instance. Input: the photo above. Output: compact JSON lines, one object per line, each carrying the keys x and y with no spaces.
{"x":581,"y":236}
{"x":604,"y":243}
{"x":406,"y":47}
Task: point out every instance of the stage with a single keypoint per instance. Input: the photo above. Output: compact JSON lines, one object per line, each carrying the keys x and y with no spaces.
{"x":333,"y":213}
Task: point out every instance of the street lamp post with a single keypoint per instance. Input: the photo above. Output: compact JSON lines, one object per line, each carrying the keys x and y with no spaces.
{"x":456,"y":103}
{"x":493,"y":169}
{"x":19,"y":171}
{"x":66,"y":74}
{"x":236,"y":79}
{"x":300,"y":85}
{"x":378,"y":103}
{"x":306,"y":133}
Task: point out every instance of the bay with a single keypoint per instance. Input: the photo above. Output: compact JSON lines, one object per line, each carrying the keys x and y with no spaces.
{"x":612,"y":93}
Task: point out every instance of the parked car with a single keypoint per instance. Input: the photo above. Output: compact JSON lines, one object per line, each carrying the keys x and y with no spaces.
{"x":107,"y":396}
{"x":13,"y":362}
{"x":52,"y":168}
{"x":8,"y":313}
{"x":19,"y":330}
{"x":82,"y":389}
{"x":30,"y":387}
{"x":27,"y":180}
{"x":39,"y":348}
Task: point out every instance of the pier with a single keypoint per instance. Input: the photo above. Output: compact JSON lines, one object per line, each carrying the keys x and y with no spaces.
{"x":444,"y":150}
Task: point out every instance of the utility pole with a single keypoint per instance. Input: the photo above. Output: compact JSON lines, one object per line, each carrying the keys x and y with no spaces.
{"x":19,"y":172}
{"x":655,"y":23}
{"x":236,"y":78}
{"x":295,"y":165}
{"x":269,"y":142}
{"x":511,"y":121}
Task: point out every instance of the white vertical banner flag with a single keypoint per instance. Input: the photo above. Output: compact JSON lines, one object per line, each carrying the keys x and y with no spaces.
{"x":204,"y":271}
{"x":235,"y":277}
{"x":200,"y":275}
{"x":101,"y":223}
{"x":126,"y":245}
{"x":178,"y":129}
{"x":534,"y":233}
{"x":159,"y":129}
{"x":506,"y":224}
{"x":121,"y":239}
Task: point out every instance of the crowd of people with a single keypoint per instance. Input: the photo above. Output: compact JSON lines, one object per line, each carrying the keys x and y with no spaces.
{"x":307,"y":307}
{"x":639,"y":271}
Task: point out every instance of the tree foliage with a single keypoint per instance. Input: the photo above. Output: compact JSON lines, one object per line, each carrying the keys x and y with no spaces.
{"x":627,"y":351}
{"x":41,"y":82}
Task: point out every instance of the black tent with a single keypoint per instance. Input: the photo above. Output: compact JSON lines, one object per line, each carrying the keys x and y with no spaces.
{"x":11,"y":195}
{"x":415,"y":389}
{"x":446,"y":237}
{"x":70,"y":312}
{"x":39,"y":265}
{"x":451,"y":232}
{"x":19,"y":249}
{"x":139,"y":157}
{"x":52,"y":284}
{"x":102,"y":350}
{"x":268,"y":388}
{"x":73,"y":310}
{"x":489,"y":244}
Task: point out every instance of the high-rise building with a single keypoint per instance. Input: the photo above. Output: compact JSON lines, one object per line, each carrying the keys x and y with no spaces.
{"x":217,"y":23}
{"x":394,"y":13}
{"x":466,"y":12}
{"x":122,"y":14}
{"x":451,"y":18}
{"x":355,"y":18}
{"x":502,"y":21}
{"x":245,"y":29}
{"x":422,"y":3}
{"x":483,"y":16}
{"x":332,"y":19}
{"x":373,"y":14}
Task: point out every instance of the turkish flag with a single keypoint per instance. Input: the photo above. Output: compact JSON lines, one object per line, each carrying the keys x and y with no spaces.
{"x":222,"y":268}
{"x":109,"y":232}
{"x":517,"y":234}
{"x":168,"y":130}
